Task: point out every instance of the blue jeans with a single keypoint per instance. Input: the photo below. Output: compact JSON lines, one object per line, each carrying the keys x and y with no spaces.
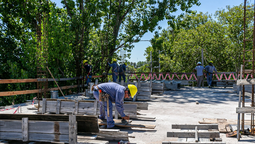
{"x":124,"y":78}
{"x":88,"y":79}
{"x":209,"y":79}
{"x":114,"y":77}
{"x":103,"y":110}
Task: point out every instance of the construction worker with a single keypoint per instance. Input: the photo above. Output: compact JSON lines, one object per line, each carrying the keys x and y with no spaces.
{"x":209,"y":73}
{"x":200,"y":77}
{"x":115,"y":70}
{"x":87,"y":70}
{"x":122,"y":70}
{"x":114,"y":93}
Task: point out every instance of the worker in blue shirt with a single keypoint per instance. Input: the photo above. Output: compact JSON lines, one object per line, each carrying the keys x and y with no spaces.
{"x":116,"y":93}
{"x":122,"y":70}
{"x":115,"y":70}
{"x":87,"y":71}
{"x":209,"y":73}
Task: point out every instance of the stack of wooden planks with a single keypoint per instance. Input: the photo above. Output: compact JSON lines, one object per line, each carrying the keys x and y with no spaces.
{"x":195,"y":134}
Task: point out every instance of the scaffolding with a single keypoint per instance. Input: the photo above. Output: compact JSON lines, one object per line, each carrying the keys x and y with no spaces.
{"x":247,"y":67}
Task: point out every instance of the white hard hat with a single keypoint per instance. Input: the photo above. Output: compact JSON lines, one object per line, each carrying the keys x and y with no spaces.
{"x":199,"y":63}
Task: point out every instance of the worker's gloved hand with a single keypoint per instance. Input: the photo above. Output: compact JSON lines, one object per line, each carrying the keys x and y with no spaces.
{"x":125,"y":117}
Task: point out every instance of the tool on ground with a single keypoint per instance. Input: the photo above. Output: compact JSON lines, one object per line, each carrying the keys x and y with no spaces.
{"x":56,"y":82}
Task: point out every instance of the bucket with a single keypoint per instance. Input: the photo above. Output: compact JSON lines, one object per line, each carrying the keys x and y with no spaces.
{"x":54,"y":94}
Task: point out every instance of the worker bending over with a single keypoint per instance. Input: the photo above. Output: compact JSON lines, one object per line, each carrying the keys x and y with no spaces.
{"x":115,"y":70}
{"x":106,"y":93}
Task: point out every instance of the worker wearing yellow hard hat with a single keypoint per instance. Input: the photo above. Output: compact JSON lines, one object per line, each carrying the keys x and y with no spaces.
{"x":115,"y":69}
{"x":106,"y":93}
{"x":87,"y":71}
{"x":209,"y":73}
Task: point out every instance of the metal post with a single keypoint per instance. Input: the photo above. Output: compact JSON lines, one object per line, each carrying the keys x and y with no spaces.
{"x":202,"y":54}
{"x":159,"y":61}
{"x":151,"y":61}
{"x":239,"y":105}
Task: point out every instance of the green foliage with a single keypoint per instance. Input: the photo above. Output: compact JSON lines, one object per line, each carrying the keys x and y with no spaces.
{"x":220,"y":38}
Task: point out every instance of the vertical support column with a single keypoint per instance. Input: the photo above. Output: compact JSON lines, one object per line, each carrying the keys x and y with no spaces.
{"x":96,"y":82}
{"x":76,"y":107}
{"x":122,"y":82}
{"x":95,"y":107}
{"x":25,"y":129}
{"x":58,"y":107}
{"x":72,"y":129}
{"x":239,"y":105}
{"x":44,"y":106}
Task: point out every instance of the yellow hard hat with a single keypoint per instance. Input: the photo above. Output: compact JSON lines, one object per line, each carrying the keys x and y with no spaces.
{"x":114,"y":60}
{"x":132,"y":90}
{"x":85,"y":61}
{"x":210,"y":61}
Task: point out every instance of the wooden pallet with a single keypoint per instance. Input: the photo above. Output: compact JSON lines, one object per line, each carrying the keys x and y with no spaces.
{"x":44,"y":131}
{"x":195,"y":134}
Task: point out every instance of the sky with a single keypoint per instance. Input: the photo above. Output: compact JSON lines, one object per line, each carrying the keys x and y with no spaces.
{"x":210,"y":6}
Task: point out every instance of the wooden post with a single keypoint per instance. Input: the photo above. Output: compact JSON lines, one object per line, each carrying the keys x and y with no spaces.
{"x":72,"y":129}
{"x":44,"y":106}
{"x":76,"y":107}
{"x":58,"y":106}
{"x":95,"y":107}
{"x":139,"y":83}
{"x":239,"y":105}
{"x":25,"y":129}
{"x":96,"y":82}
{"x":196,"y":134}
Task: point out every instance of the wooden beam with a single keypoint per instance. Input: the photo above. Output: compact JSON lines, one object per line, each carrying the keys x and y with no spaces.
{"x":72,"y":129}
{"x":85,"y":123}
{"x":11,"y":93}
{"x":25,"y":129}
{"x":119,"y":124}
{"x":189,"y":134}
{"x":245,"y":110}
{"x":246,"y":82}
{"x":6,"y":81}
{"x":192,"y":126}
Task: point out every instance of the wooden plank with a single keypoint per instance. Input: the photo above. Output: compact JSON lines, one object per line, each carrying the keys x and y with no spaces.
{"x":188,"y":134}
{"x":58,"y":107}
{"x":25,"y":129}
{"x":143,"y":97}
{"x":119,"y":124}
{"x":76,"y":110}
{"x":113,"y":135}
{"x":11,"y":93}
{"x":44,"y":105}
{"x":192,"y":126}
{"x":143,"y":93}
{"x":196,"y":134}
{"x":72,"y":129}
{"x":85,"y":123}
{"x":45,"y":137}
{"x":245,"y":82}
{"x":6,"y":81}
{"x":11,"y":135}
{"x":245,"y":110}
{"x":176,"y":142}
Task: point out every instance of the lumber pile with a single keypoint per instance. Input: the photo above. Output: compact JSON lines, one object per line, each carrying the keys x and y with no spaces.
{"x":80,"y":107}
{"x":44,"y":131}
{"x":158,"y":87}
{"x":144,"y":90}
{"x":172,"y":85}
{"x":195,"y":134}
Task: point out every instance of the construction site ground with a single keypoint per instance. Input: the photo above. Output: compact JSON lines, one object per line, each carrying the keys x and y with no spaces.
{"x":180,"y":107}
